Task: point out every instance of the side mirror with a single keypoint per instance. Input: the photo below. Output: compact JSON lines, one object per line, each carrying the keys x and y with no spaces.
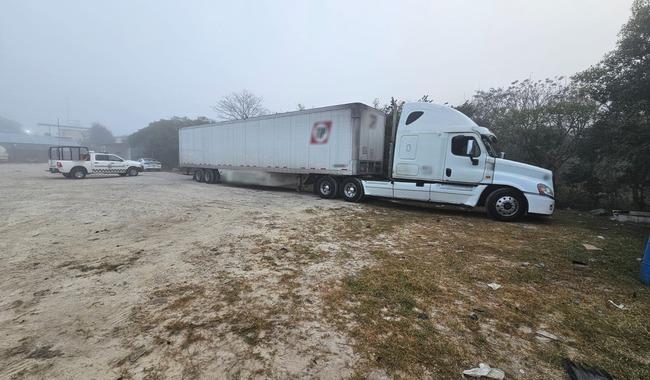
{"x":502,"y":154}
{"x":470,"y":148}
{"x":470,"y":152}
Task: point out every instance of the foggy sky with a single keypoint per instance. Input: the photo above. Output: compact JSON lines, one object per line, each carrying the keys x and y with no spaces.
{"x":127,"y":63}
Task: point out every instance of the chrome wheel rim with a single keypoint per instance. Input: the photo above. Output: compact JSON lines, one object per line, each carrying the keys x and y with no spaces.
{"x":325,"y":188}
{"x":350,"y":190}
{"x":507,"y":205}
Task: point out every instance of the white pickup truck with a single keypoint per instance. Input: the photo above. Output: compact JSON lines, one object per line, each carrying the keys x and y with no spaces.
{"x":77,"y":162}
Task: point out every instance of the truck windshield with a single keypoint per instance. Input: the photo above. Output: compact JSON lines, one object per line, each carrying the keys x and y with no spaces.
{"x":490,"y":143}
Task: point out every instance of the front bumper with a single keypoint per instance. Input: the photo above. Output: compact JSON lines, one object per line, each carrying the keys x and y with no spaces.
{"x":540,"y":204}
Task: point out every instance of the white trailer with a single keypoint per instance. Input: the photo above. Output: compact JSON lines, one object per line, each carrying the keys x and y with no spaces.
{"x":436,"y":154}
{"x":347,"y":139}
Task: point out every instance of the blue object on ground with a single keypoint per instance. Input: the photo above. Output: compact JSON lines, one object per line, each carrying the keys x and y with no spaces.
{"x":645,"y":264}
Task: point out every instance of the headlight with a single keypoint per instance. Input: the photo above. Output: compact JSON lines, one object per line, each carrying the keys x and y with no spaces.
{"x":544,"y":190}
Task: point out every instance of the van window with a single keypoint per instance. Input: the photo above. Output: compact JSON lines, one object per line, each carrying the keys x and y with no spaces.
{"x":460,"y":145}
{"x":101,"y":157}
{"x":66,"y":154}
{"x":413,"y":116}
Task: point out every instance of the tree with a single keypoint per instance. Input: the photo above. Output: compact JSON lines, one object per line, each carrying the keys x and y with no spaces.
{"x":10,"y":126}
{"x":159,"y":139}
{"x":539,"y":122}
{"x":98,"y":134}
{"x":301,"y":107}
{"x":620,"y":83}
{"x":239,"y":106}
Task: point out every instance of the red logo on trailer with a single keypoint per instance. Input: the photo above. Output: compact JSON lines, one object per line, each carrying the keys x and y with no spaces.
{"x":320,"y":132}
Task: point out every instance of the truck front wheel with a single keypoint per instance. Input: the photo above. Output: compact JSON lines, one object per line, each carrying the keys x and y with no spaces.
{"x":327,"y":187}
{"x":506,"y":204}
{"x":352,"y":190}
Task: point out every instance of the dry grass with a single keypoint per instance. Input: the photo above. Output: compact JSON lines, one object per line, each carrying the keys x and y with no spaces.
{"x":424,"y":308}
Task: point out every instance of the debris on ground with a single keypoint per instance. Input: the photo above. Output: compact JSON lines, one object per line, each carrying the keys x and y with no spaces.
{"x":618,"y":306}
{"x":631,"y":216}
{"x":601,"y":237}
{"x":546,"y":336}
{"x":540,"y":265}
{"x":599,"y":212}
{"x":590,"y":247}
{"x":580,"y":372}
{"x":580,"y":264}
{"x":494,"y":286}
{"x":484,"y":370}
{"x":524,"y":329}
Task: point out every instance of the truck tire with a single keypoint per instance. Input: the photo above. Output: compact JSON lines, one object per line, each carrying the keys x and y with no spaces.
{"x":327,"y":187}
{"x":198,"y":175}
{"x":208,"y":176}
{"x":77,"y":173}
{"x":506,"y":205}
{"x":132,"y":171}
{"x":352,"y":190}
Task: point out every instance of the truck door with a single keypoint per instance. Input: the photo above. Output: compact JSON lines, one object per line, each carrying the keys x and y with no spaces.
{"x":100,"y":165}
{"x":465,"y":160}
{"x":116,"y":164}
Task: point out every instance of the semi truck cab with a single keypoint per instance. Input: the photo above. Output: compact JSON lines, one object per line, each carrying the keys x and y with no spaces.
{"x":440,"y":155}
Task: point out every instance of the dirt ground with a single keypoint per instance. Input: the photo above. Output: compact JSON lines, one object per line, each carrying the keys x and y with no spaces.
{"x":157,"y":276}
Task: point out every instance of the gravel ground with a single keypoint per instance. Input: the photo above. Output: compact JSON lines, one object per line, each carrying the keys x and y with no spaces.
{"x":159,"y":276}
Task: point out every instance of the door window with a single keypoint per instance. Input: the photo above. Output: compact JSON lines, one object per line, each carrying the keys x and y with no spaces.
{"x":114,"y":158}
{"x":101,"y":157}
{"x":465,"y":146}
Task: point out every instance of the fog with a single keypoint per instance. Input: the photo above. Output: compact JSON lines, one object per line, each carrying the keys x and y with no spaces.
{"x":127,"y":63}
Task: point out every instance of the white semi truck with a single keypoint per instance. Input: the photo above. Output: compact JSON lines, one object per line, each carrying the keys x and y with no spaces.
{"x":436,"y":154}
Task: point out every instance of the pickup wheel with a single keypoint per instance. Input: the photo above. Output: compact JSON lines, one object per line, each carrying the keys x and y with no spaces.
{"x":132,"y":171}
{"x":506,"y":205}
{"x":208,"y":176}
{"x":198,"y":175}
{"x":327,"y":187}
{"x":77,"y":173}
{"x":352,"y":190}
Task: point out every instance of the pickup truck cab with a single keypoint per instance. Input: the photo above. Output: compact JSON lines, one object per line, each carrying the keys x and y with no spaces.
{"x":77,"y":162}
